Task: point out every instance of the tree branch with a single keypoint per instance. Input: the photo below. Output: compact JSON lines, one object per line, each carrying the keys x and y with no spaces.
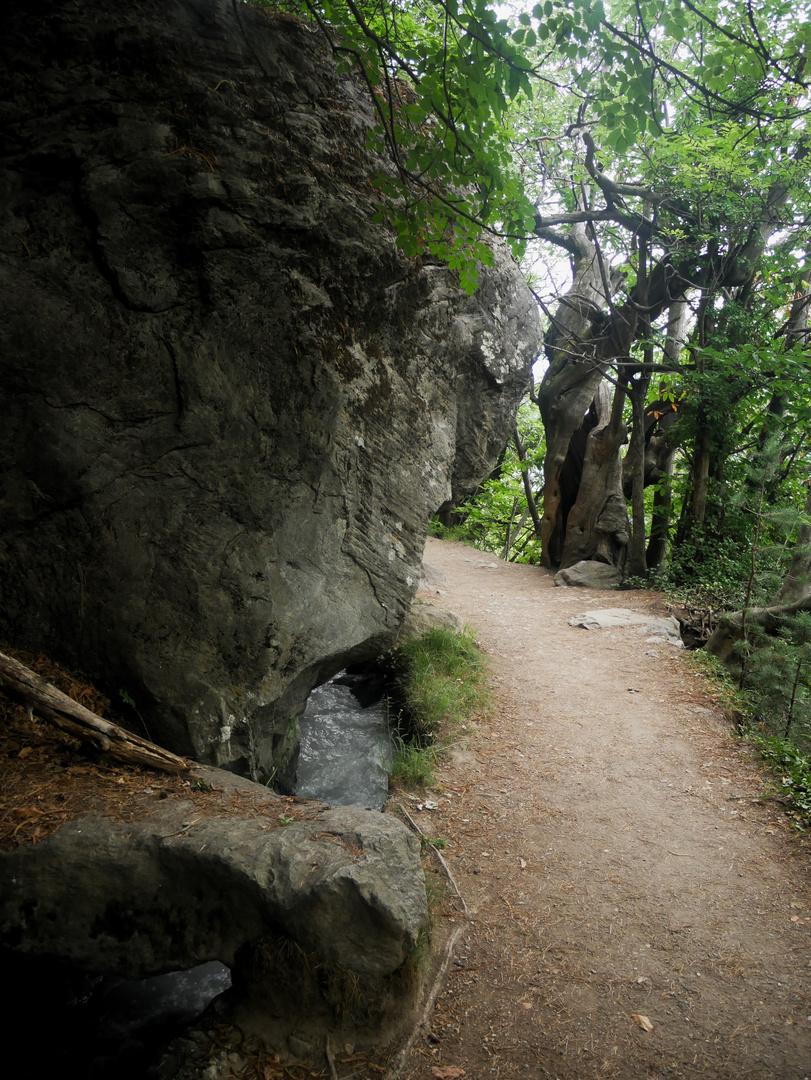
{"x":57,"y":708}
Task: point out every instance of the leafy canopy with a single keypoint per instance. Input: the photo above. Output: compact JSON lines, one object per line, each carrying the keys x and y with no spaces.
{"x":477,"y":110}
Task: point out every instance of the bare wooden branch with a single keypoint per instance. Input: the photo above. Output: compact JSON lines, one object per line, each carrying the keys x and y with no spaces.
{"x":40,"y":696}
{"x":436,"y":852}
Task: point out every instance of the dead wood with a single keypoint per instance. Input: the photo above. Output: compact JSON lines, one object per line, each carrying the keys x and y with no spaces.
{"x":57,"y":708}
{"x":330,"y":1056}
{"x":730,"y":628}
{"x":446,"y":869}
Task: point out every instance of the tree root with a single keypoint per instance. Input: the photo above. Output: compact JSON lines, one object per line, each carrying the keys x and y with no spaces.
{"x":446,"y":869}
{"x":422,"y":1023}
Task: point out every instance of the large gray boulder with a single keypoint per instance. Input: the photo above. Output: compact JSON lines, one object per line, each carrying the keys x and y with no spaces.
{"x":177,"y":888}
{"x":588,"y":574}
{"x":230,"y":402}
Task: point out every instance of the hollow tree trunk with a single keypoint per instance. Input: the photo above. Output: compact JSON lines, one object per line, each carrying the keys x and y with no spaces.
{"x":567,"y":392}
{"x":588,"y":333}
{"x":584,"y":514}
{"x":597,"y":527}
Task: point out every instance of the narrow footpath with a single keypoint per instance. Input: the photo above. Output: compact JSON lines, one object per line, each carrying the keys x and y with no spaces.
{"x":635,"y":910}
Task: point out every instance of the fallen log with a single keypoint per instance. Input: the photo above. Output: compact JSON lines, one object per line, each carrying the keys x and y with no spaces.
{"x":730,"y":627}
{"x":40,"y":696}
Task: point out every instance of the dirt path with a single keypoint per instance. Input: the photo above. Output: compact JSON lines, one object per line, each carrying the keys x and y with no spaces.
{"x":614,"y":862}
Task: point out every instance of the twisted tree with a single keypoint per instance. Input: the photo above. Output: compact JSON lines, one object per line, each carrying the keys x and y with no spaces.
{"x":662,"y":148}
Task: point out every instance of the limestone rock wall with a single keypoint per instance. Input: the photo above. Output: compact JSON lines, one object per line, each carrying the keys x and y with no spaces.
{"x":230,"y":404}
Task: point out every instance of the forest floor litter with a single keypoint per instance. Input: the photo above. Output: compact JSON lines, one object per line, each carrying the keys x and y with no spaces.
{"x":638,"y":906}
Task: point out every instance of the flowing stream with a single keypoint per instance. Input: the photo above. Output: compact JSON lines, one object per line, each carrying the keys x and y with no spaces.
{"x":346,"y":745}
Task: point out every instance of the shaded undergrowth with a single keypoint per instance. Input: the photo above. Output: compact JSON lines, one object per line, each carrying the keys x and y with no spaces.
{"x":440,"y":684}
{"x":789,"y":764}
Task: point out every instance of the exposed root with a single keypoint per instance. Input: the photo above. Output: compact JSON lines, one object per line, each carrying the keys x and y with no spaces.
{"x":445,"y":868}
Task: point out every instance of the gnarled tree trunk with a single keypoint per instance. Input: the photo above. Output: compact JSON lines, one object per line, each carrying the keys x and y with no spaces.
{"x":584,"y":515}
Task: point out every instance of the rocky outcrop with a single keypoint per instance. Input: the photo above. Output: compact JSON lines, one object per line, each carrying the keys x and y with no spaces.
{"x":174,"y":889}
{"x":589,"y":575}
{"x":654,"y":627}
{"x":231,"y":403}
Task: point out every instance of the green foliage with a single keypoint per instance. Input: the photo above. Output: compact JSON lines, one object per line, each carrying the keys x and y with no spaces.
{"x":793,"y":769}
{"x":777,"y":678}
{"x":461,"y":92}
{"x":441,"y":683}
{"x":439,"y":843}
{"x":496,"y":517}
{"x":448,"y":532}
{"x":444,"y":681}
{"x":788,"y":761}
{"x":696,"y":120}
{"x":413,"y":766}
{"x":709,"y":572}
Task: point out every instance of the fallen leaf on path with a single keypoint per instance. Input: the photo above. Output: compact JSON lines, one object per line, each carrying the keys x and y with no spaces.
{"x":642,"y":1021}
{"x":447,"y":1072}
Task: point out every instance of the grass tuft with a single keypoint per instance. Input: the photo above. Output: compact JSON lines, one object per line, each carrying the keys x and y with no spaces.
{"x":786,"y":761}
{"x":413,"y":766}
{"x":441,"y":682}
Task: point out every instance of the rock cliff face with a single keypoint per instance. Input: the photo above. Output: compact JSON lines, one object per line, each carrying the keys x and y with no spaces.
{"x":230,"y":403}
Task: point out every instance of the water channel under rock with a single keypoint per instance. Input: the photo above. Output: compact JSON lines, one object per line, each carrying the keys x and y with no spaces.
{"x":106,"y":1028}
{"x":346,"y":744}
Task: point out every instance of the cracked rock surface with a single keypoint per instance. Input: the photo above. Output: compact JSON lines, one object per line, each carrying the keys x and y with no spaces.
{"x":168,"y":891}
{"x":231,"y":403}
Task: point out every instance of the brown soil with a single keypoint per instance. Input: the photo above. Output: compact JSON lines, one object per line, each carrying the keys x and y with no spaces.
{"x":619,"y":869}
{"x":621,"y":860}
{"x":48,"y":777}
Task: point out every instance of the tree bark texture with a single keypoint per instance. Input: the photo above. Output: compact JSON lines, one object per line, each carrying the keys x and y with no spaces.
{"x":588,"y":334}
{"x":582,"y":485}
